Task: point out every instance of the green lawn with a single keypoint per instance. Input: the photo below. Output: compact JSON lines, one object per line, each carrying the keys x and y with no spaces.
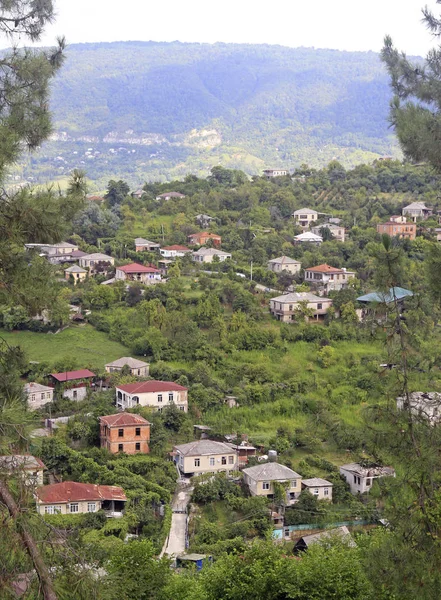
{"x":87,"y":346}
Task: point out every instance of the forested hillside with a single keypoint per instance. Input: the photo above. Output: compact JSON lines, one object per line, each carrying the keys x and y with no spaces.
{"x":186,"y":107}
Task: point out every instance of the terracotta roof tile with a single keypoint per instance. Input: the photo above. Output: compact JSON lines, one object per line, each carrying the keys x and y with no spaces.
{"x":122,"y":419}
{"x":72,"y":491}
{"x":72,"y":375}
{"x":144,"y":387}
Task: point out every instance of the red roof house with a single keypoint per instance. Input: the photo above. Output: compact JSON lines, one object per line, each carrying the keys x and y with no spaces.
{"x":74,"y":384}
{"x":136,"y":272}
{"x":157,"y":394}
{"x":201,"y":238}
{"x":71,"y":497}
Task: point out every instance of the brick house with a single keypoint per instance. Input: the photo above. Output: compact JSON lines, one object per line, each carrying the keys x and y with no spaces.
{"x":401,"y":230}
{"x":71,"y":497}
{"x":125,"y":432}
{"x":73,"y":384}
{"x":156,"y":394}
{"x":201,"y":238}
{"x":136,"y":272}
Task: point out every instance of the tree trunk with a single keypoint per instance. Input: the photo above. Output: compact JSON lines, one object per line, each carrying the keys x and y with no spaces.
{"x":29,"y":543}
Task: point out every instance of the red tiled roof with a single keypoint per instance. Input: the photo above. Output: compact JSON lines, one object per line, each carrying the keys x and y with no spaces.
{"x":71,"y":491}
{"x":122,"y":419}
{"x":324,"y":269}
{"x":135,"y":268}
{"x":144,"y":387}
{"x":205,"y":234}
{"x":72,"y":375}
{"x":176,"y":247}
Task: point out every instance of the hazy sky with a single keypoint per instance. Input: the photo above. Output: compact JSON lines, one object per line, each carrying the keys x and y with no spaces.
{"x":341,"y":24}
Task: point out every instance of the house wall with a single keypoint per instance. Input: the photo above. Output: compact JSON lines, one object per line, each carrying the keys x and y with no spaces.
{"x":82,"y":507}
{"x":258,"y":488}
{"x":139,"y":372}
{"x":110,"y":439}
{"x":285,"y":311}
{"x":157,"y":400}
{"x":89,"y":263}
{"x":330,"y":281}
{"x":305,"y":219}
{"x":402,"y":230}
{"x":38,"y":399}
{"x":76,"y":276}
{"x":358,"y":485}
{"x":320,"y":492}
{"x":279,"y":267}
{"x":76,"y":393}
{"x":207,"y":464}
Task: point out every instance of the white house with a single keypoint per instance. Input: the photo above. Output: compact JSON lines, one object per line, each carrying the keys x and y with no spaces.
{"x":143,"y":245}
{"x":308,"y":238}
{"x":326,"y":278}
{"x":417,"y":210}
{"x":170,"y":196}
{"x":423,"y":404}
{"x":261,"y":479}
{"x":92,"y":261}
{"x":29,"y":466}
{"x":71,"y":497}
{"x":318,"y":487}
{"x":137,"y":367}
{"x":285,"y":308}
{"x":55,"y":253}
{"x":38,"y":395}
{"x":174,"y":251}
{"x":360,"y":479}
{"x":305,"y":216}
{"x":206,"y":255}
{"x":136,"y":272}
{"x":284,"y":263}
{"x":157,"y":394}
{"x":205,"y":456}
{"x":270,"y":173}
{"x":337,"y":231}
{"x":73,"y":384}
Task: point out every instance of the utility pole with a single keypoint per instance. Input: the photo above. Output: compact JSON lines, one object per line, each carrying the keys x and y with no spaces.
{"x":162,"y":229}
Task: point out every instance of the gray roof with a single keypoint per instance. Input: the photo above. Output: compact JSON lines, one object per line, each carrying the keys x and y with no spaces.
{"x":75,"y":269}
{"x":341,"y":532}
{"x":143,"y":242}
{"x":203,"y":447}
{"x":368,"y":471}
{"x":32,"y":387}
{"x":416,"y":206}
{"x":308,"y":236}
{"x":299,"y":297}
{"x":306,"y":211}
{"x":97,"y":256}
{"x":133,"y":363}
{"x":285,"y":260}
{"x":271,"y":471}
{"x":61,"y":245}
{"x":23,"y":461}
{"x":210,"y":252}
{"x":316,"y":482}
{"x":205,"y":217}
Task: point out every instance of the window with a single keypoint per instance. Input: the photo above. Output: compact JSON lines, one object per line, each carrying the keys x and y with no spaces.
{"x":182,"y":408}
{"x":286,"y":532}
{"x":73,"y":507}
{"x":74,"y":394}
{"x":368,"y":481}
{"x":137,"y":446}
{"x":294,"y":483}
{"x":197,"y":462}
{"x":355,"y":479}
{"x":42,"y":395}
{"x":138,"y":431}
{"x":231,"y":460}
{"x":224,"y":460}
{"x":265,"y":485}
{"x":135,"y":399}
{"x":319,"y":306}
{"x":33,"y":397}
{"x":120,"y":432}
{"x":358,"y":480}
{"x":52,"y":510}
{"x":290,"y":307}
{"x":139,"y":372}
{"x":120,"y":447}
{"x":315,"y":492}
{"x":212,"y":461}
{"x":159,"y":397}
{"x":170,"y":397}
{"x":326,"y":492}
{"x":91,"y":507}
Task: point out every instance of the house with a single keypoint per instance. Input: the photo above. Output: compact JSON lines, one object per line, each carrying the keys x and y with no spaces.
{"x":156,"y":394}
{"x":38,"y":395}
{"x":201,"y":238}
{"x":73,"y":384}
{"x":397,"y":219}
{"x":205,"y":456}
{"x":318,"y":487}
{"x":417,"y":210}
{"x":96,"y":262}
{"x":164,"y":265}
{"x":95,"y":198}
{"x":438,"y":234}
{"x":174,"y":251}
{"x":139,"y":193}
{"x":284,"y":263}
{"x":142,"y":245}
{"x":360,"y":479}
{"x":308,"y":238}
{"x":136,"y":272}
{"x":270,"y":173}
{"x":78,"y":274}
{"x":125,"y":432}
{"x":261,"y":479}
{"x":29,"y":466}
{"x":338,"y":232}
{"x":204,"y":220}
{"x":55,"y":253}
{"x":243,"y":451}
{"x":206,"y":255}
{"x":324,"y":536}
{"x":426,"y":405}
{"x":326,"y":278}
{"x":305,"y":216}
{"x":396,"y":229}
{"x":170,"y":196}
{"x":70,"y":497}
{"x":286,"y":307}
{"x":394,"y":294}
{"x":136,"y":367}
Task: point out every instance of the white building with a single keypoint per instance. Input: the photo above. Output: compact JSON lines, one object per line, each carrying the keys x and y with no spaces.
{"x":137,"y":367}
{"x":261,"y":479}
{"x":174,"y":251}
{"x":143,"y":245}
{"x":284,"y":263}
{"x":205,"y":456}
{"x":308,"y":238}
{"x":337,"y":231}
{"x":38,"y":395}
{"x":285,"y":308}
{"x":157,"y":394}
{"x":136,"y":272}
{"x":360,"y":479}
{"x":305,"y":216}
{"x":318,"y":487}
{"x":270,"y":173}
{"x":30,"y":467}
{"x":206,"y":255}
{"x":91,"y":261}
{"x":417,"y":210}
{"x":426,"y":405}
{"x":326,"y":278}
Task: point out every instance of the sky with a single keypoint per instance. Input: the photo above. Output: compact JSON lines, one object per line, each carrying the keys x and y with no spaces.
{"x":338,"y":24}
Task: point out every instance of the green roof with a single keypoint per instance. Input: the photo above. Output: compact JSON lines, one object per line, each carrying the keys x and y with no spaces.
{"x":395,"y":293}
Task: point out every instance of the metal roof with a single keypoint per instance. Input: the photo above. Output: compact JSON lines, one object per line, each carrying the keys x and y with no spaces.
{"x":395,"y":293}
{"x":300,"y":297}
{"x":145,"y":387}
{"x":133,"y":363}
{"x":271,"y":471}
{"x":203,"y":447}
{"x":285,"y":260}
{"x":72,"y":491}
{"x":316,"y":482}
{"x":72,"y":375}
{"x":341,"y":532}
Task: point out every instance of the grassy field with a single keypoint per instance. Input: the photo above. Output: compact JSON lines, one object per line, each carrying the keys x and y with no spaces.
{"x":84,"y":344}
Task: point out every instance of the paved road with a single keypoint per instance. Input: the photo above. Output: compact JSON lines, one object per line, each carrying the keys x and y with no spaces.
{"x":178,"y":530}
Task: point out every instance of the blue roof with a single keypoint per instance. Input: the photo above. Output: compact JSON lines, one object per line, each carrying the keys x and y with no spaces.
{"x":395,"y":293}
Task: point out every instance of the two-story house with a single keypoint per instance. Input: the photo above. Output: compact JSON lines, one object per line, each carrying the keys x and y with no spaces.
{"x":360,"y":479}
{"x":75,"y":273}
{"x":338,"y":232}
{"x":284,"y":263}
{"x":125,"y":432}
{"x":261,"y":480}
{"x":142,"y":245}
{"x":174,"y":251}
{"x":30,"y":468}
{"x":38,"y":395}
{"x":71,"y":497}
{"x":325,"y":278}
{"x":305,"y":216}
{"x":157,"y":394}
{"x":96,"y":262}
{"x":286,"y":307}
{"x":135,"y":366}
{"x":205,"y":456}
{"x":402,"y":230}
{"x":73,"y":384}
{"x":417,"y":210}
{"x":136,"y":272}
{"x":202,"y":237}
{"x":318,"y":487}
{"x":206,"y":255}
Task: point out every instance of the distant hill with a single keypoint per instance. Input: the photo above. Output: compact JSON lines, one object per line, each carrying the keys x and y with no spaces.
{"x":184,"y":107}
